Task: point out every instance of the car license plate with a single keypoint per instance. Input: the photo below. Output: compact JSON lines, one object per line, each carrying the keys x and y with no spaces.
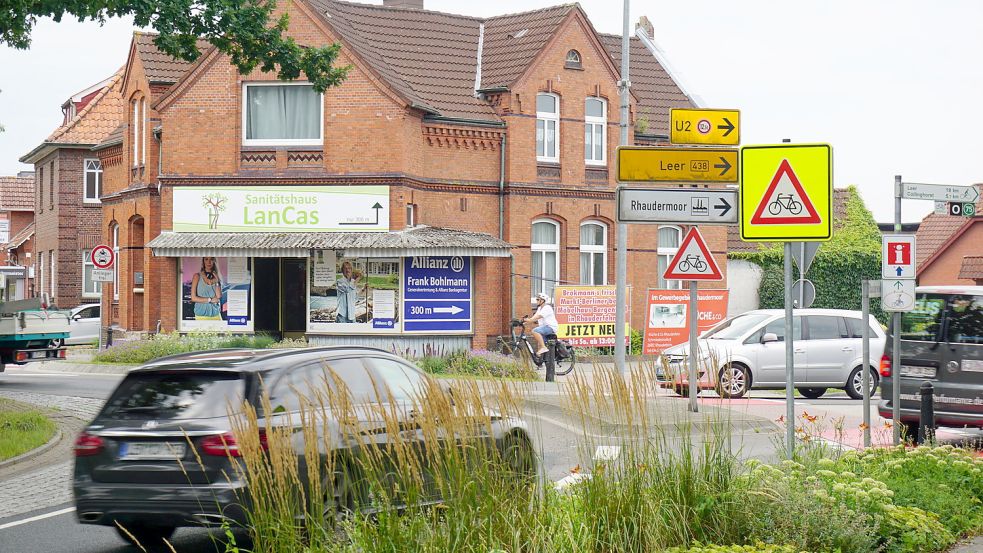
{"x":917,"y":371}
{"x":151,"y":451}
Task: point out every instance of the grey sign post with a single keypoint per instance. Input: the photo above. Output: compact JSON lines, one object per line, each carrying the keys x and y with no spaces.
{"x":865,"y":333}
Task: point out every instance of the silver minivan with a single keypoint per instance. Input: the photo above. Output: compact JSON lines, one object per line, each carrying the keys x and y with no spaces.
{"x":941,"y":342}
{"x":748,"y":351}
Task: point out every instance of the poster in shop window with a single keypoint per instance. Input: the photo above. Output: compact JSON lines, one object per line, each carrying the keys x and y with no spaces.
{"x":347,"y":300}
{"x":667,"y":320}
{"x":216,"y":294}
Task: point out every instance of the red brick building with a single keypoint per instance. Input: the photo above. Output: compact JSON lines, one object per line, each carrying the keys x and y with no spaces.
{"x":16,"y":233}
{"x":949,"y":250}
{"x":463,"y":165}
{"x":67,"y":187}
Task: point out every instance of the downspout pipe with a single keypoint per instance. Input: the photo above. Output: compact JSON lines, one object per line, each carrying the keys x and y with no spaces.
{"x":501,"y":191}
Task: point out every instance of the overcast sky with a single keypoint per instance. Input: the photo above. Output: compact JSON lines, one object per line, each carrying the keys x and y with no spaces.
{"x":895,"y":86}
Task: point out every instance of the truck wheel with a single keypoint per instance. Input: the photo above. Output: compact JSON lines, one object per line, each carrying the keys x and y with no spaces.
{"x":56,"y":343}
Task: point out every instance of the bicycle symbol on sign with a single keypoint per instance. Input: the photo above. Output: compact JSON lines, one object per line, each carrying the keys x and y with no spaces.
{"x":693,"y":261}
{"x":785,"y":202}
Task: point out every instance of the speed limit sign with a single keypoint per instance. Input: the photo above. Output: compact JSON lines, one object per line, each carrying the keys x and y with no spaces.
{"x":103,"y":257}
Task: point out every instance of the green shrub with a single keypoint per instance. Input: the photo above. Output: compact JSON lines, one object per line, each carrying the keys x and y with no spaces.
{"x":476,"y":363}
{"x":161,"y":345}
{"x":757,"y":548}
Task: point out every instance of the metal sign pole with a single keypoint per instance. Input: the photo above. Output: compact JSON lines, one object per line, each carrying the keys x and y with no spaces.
{"x":694,"y":347}
{"x":802,"y":274}
{"x":896,"y":335}
{"x":621,"y":254}
{"x":789,"y":356}
{"x":865,"y":334}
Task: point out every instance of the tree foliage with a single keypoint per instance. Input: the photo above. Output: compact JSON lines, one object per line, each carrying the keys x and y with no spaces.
{"x":246,"y":30}
{"x":851,"y":255}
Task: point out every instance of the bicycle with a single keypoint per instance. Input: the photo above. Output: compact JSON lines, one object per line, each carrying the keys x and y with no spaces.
{"x":794,"y":207}
{"x":559,"y":359}
{"x":693,"y":261}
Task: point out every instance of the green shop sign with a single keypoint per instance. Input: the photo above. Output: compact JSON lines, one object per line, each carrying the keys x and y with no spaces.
{"x":281,"y":209}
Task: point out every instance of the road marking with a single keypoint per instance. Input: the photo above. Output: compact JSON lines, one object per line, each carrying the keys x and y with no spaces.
{"x":607,"y":453}
{"x":36,"y":518}
{"x":49,"y":374}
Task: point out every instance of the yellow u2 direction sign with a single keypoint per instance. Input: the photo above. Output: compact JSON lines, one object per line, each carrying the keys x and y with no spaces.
{"x":665,"y":164}
{"x":705,"y":126}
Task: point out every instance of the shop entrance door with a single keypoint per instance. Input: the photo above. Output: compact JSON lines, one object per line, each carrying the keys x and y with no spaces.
{"x":293,"y":296}
{"x":266,"y":282}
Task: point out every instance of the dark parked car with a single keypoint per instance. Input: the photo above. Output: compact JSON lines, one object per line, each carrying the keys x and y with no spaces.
{"x":136,"y":463}
{"x":941,"y":342}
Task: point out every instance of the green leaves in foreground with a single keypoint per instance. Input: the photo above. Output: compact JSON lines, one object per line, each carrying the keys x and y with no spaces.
{"x":242,"y":29}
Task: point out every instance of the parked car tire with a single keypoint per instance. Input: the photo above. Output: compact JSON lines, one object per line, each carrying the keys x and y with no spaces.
{"x":734,"y":381}
{"x":812,"y":393}
{"x":341,"y":498}
{"x":855,"y":384}
{"x":150,"y":538}
{"x":681,"y":390}
{"x":56,"y":343}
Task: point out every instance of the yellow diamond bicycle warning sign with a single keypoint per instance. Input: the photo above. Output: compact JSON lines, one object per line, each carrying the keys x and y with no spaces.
{"x":786,"y":192}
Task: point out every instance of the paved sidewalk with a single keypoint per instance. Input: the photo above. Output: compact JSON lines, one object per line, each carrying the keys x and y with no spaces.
{"x":45,"y":480}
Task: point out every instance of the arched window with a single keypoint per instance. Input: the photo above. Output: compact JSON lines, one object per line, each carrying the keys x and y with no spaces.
{"x":545,"y":256}
{"x":595,"y":131}
{"x":135,"y":132}
{"x":669,"y":238}
{"x":547,"y":127}
{"x":594,"y":253}
{"x":573,"y":60}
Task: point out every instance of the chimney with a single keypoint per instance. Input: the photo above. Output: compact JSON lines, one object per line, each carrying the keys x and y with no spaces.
{"x":644,"y":23}
{"x":25,"y":174}
{"x":409,"y":4}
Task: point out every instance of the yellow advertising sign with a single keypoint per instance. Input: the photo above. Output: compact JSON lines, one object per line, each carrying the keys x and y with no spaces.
{"x":664,"y":164}
{"x":705,"y":126}
{"x":786,"y":192}
{"x":586,"y":315}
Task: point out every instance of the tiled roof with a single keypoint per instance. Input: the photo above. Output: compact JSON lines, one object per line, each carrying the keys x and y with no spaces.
{"x":429,"y":58}
{"x":17,"y":193}
{"x":18,"y":239}
{"x":99,"y":117}
{"x":972,"y":267}
{"x":936,"y":230}
{"x":508,"y":50}
{"x":650,"y":83}
{"x":734,"y":243}
{"x":113,"y":138}
{"x":158,"y":66}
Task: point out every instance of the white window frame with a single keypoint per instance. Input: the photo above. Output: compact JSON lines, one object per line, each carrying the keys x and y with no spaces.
{"x":319,"y":141}
{"x":136,"y":133}
{"x":85,"y":181}
{"x":143,"y":132}
{"x":602,"y":121}
{"x":87,"y":262}
{"x":115,"y":233}
{"x":669,"y":253}
{"x":592,"y":249}
{"x":40,"y":286}
{"x":546,"y":117}
{"x":52,"y":278}
{"x":543,"y":249}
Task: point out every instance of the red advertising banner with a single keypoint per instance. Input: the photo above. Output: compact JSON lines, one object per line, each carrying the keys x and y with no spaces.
{"x":667,"y":320}
{"x":586,"y":315}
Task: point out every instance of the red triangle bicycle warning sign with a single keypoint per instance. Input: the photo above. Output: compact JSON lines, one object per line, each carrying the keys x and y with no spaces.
{"x":785,"y":202}
{"x":693,"y":260}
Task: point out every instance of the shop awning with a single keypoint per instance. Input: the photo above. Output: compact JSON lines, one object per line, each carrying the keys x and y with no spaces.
{"x":416,"y":241}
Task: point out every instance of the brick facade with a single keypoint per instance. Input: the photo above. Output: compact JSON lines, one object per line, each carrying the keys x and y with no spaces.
{"x":450,"y":171}
{"x":64,"y":224}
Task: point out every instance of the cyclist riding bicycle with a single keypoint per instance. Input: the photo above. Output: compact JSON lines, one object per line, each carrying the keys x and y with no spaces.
{"x":546,"y":319}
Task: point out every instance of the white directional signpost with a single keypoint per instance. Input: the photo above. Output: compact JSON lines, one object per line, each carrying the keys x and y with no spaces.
{"x":693,"y":262}
{"x":939,"y":192}
{"x":704,"y":206}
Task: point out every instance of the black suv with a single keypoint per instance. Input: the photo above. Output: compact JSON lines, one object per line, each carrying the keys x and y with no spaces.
{"x":136,"y":462}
